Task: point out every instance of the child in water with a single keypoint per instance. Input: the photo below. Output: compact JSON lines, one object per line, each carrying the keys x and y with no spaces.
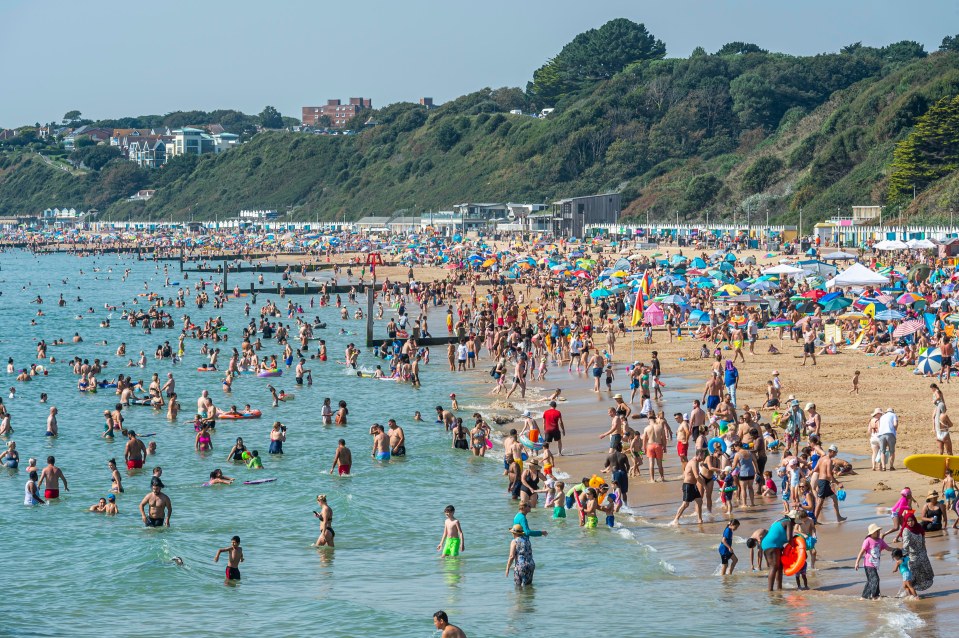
{"x":255,"y":462}
{"x":556,"y":497}
{"x":452,"y":541}
{"x":902,"y":566}
{"x":726,"y":553}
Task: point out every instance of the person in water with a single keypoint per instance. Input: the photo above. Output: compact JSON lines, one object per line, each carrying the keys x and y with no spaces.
{"x":234,"y":555}
{"x":453,"y":541}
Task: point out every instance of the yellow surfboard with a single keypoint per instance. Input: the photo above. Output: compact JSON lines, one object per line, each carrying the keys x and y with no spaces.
{"x":933,"y":465}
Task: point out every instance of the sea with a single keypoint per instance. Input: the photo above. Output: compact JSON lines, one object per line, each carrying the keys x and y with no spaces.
{"x":69,"y":572}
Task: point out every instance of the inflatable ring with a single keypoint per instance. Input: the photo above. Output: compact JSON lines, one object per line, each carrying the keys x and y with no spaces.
{"x":530,"y":444}
{"x":269,"y":373}
{"x":794,"y":556}
{"x":715,"y":439}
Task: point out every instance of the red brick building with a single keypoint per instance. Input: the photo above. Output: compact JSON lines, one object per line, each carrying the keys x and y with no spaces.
{"x":340,"y":114}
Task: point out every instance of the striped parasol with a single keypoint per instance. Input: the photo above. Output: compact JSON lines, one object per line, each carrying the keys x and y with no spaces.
{"x":908,"y":327}
{"x":929,"y":361}
{"x":779,"y":322}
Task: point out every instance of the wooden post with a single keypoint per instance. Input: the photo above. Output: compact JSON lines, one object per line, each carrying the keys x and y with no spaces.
{"x":369,"y":316}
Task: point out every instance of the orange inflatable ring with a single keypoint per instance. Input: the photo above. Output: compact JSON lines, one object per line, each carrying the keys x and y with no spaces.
{"x":794,"y":556}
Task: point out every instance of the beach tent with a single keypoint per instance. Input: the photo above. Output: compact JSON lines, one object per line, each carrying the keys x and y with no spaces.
{"x":890,"y":244}
{"x":783,"y":269}
{"x":920,"y":243}
{"x":857,"y":275}
{"x":839,"y":256}
{"x":654,"y":315}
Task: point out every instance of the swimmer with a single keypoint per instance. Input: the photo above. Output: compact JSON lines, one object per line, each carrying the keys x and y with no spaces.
{"x":381,"y":443}
{"x":417,"y":416}
{"x":455,"y":405}
{"x":217,"y":478}
{"x":326,"y":523}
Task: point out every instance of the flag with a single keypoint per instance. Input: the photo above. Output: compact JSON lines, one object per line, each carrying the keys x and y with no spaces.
{"x":638,"y":309}
{"x":645,"y":283}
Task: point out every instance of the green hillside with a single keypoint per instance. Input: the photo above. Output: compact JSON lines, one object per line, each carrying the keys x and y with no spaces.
{"x":738,"y":130}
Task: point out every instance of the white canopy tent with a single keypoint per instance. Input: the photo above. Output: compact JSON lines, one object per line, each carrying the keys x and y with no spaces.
{"x":920,"y":243}
{"x":890,"y":244}
{"x":783,"y":269}
{"x":857,"y":275}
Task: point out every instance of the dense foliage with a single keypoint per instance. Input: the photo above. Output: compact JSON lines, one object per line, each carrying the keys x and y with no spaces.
{"x":742,"y":129}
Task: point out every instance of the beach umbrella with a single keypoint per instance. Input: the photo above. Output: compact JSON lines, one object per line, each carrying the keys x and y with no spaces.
{"x":675,"y":300}
{"x":837,"y":303}
{"x":488,"y":263}
{"x":600,"y":293}
{"x":852,"y":315}
{"x":815,"y":295}
{"x":779,"y":322}
{"x":811,"y":252}
{"x":838,"y":256}
{"x":620,"y":274}
{"x":889,"y":315}
{"x":908,"y":328}
{"x":909,"y":298}
{"x":929,"y":361}
{"x":698,"y":262}
{"x":731,"y":289}
{"x":697,"y":317}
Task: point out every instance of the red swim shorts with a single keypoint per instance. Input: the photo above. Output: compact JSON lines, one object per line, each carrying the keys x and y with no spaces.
{"x":682,"y":448}
{"x":344,"y":469}
{"x":134,"y":464}
{"x":654,"y":451}
{"x":48,"y":493}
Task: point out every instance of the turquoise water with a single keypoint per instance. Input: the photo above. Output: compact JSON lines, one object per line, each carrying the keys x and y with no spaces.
{"x":70,"y":572}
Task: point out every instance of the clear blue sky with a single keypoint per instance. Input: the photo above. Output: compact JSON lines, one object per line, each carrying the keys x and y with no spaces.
{"x":110,"y":58}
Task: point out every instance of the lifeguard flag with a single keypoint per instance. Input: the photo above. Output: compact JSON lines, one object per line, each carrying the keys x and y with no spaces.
{"x":638,"y":309}
{"x":644,"y":284}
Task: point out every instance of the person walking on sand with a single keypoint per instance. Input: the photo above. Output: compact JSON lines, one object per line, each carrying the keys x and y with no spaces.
{"x":692,"y":487}
{"x":553,"y":427}
{"x":888,"y":424}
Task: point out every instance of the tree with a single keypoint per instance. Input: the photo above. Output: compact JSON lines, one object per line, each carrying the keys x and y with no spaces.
{"x":94,"y":156}
{"x":324,"y":121}
{"x":447,"y":136}
{"x":950,"y":43}
{"x":740,"y":48}
{"x":754,"y":100}
{"x":597,"y":54}
{"x":702,"y":189}
{"x":71,"y":116}
{"x":929,"y":153}
{"x":760,"y":175}
{"x":271,"y":118}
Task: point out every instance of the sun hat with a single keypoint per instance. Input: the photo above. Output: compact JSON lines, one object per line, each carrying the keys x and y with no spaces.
{"x":617,"y":396}
{"x":792,"y":397}
{"x":793,"y":514}
{"x":809,"y":406}
{"x":890,"y":410}
{"x":877,"y":412}
{"x":833,"y":448}
{"x":517,"y":529}
{"x":794,"y":402}
{"x":775,"y":373}
{"x":872,"y":529}
{"x":932,"y":495}
{"x":527,"y":413}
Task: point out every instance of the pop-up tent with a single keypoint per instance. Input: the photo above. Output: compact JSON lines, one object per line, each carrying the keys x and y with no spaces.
{"x":857,"y":275}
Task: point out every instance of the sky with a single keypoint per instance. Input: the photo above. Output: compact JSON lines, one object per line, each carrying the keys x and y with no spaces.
{"x":115,"y":58}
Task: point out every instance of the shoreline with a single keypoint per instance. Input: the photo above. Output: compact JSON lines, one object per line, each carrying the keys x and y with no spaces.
{"x":654,"y":504}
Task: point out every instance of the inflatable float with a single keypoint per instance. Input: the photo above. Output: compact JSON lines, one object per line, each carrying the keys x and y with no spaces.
{"x":207,"y":370}
{"x":538,"y":445}
{"x":270,"y":373}
{"x":253,"y":414}
{"x":794,"y":556}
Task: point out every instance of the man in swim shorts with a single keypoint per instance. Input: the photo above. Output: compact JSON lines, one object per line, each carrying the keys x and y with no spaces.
{"x":381,"y":443}
{"x":343,"y":459}
{"x":713,"y":391}
{"x":134,"y":452}
{"x":692,"y":487}
{"x":159,"y":504}
{"x":397,"y":439}
{"x":51,"y":475}
{"x":655,"y":437}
